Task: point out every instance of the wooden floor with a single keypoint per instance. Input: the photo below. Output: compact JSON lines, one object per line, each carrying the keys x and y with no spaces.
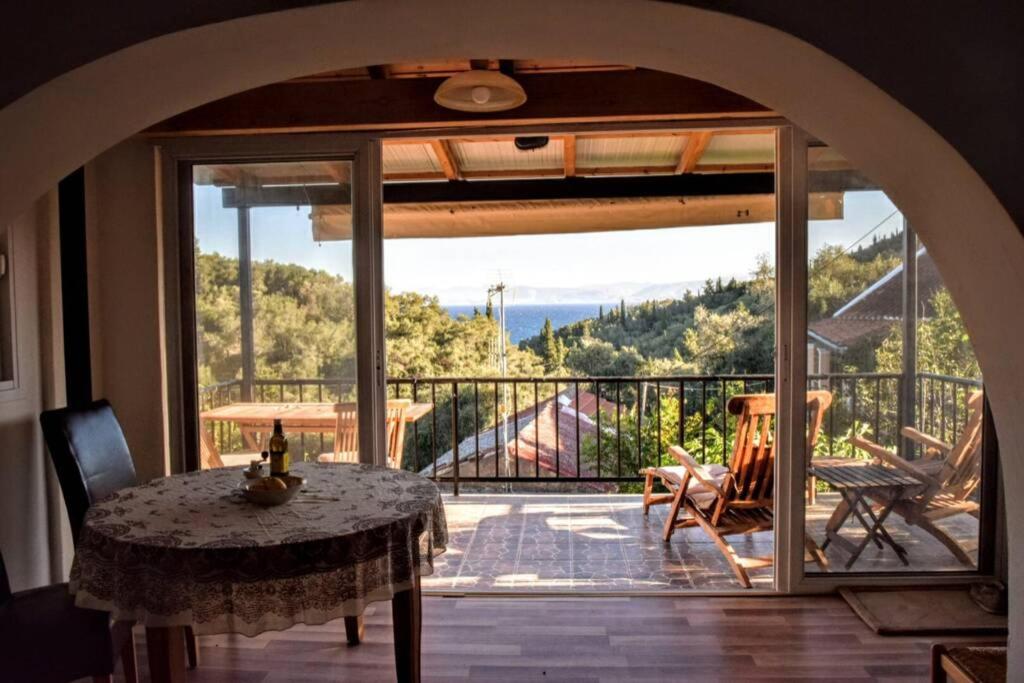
{"x":590,"y":639}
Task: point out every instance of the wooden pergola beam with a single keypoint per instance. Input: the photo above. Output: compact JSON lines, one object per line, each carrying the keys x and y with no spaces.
{"x":447,"y":161}
{"x":693,"y":151}
{"x":570,"y":170}
{"x":569,"y":155}
{"x":408,"y":103}
{"x":511,"y":190}
{"x":669,"y":185}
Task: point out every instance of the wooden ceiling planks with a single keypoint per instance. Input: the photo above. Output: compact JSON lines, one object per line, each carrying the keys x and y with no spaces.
{"x":636,"y":95}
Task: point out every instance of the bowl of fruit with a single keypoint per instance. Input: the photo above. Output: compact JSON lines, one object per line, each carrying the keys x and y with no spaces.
{"x":270,"y":491}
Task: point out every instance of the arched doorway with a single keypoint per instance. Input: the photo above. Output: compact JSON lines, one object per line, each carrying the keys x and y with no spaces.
{"x":73,"y":118}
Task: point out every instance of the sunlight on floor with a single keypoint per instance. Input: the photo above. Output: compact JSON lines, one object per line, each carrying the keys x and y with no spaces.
{"x":597,"y":542}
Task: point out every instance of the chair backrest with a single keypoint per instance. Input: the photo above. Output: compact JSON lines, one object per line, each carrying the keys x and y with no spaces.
{"x":346,"y":432}
{"x":961,"y":472}
{"x":818,"y":403}
{"x":752,"y":466}
{"x":90,"y":455}
{"x":394,"y":421}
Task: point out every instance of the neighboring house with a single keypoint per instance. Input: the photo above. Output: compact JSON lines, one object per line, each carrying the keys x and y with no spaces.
{"x":532,"y":439}
{"x":864,"y":321}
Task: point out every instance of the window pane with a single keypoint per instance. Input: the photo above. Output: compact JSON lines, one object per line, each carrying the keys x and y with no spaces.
{"x":275,"y":308}
{"x":886,"y":344}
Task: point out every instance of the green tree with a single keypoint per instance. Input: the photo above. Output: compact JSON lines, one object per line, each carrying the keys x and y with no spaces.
{"x":835,"y":277}
{"x":729,"y":342}
{"x":943,"y":345}
{"x":550,"y":351}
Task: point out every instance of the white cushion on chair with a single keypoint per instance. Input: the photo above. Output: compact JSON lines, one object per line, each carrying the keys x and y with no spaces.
{"x":695,"y":491}
{"x":675,"y":473}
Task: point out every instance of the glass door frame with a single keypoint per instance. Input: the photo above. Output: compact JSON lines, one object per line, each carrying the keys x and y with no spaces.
{"x":177,"y":156}
{"x":791,"y":387}
{"x":176,"y":159}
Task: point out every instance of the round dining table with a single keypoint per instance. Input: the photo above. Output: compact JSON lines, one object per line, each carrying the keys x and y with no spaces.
{"x":189,"y":550}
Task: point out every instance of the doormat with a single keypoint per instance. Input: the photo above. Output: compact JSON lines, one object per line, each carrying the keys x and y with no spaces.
{"x":945,"y":610}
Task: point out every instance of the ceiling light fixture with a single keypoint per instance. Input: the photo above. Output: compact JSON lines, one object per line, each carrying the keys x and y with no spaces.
{"x":480,"y":91}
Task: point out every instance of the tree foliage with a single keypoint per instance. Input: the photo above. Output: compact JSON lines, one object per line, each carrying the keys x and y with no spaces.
{"x":835,"y":277}
{"x":943,"y":345}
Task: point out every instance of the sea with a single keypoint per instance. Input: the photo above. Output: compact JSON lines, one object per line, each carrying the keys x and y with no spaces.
{"x":526,"y":320}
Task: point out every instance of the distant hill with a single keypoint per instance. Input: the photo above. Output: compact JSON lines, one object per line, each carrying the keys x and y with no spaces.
{"x":888,"y":245}
{"x":632,"y":292}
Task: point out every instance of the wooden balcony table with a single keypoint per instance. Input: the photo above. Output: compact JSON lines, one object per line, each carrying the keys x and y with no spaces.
{"x":254,"y":419}
{"x":189,"y":550}
{"x":856,"y":484}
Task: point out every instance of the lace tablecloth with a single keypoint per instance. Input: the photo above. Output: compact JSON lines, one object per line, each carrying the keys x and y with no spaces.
{"x":189,"y":550}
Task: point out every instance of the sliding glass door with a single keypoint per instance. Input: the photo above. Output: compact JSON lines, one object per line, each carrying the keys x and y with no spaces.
{"x":898,"y":476}
{"x":282,"y":315}
{"x":284,"y":301}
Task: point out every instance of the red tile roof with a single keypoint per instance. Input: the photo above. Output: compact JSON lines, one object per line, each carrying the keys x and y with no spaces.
{"x":873,"y":312}
{"x":537,"y":441}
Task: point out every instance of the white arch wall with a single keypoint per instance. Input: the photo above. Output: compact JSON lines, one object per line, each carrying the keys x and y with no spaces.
{"x":73,"y":118}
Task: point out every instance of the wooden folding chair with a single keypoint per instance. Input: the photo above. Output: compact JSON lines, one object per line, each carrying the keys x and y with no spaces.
{"x":951,"y":475}
{"x":346,"y":433}
{"x":737,"y":499}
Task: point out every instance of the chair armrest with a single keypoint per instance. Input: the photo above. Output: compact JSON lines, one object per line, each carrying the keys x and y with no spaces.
{"x":693,"y":468}
{"x":890,"y":458}
{"x":926,"y":440}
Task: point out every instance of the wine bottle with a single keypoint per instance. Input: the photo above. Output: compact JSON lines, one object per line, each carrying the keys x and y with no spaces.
{"x":279,"y":459}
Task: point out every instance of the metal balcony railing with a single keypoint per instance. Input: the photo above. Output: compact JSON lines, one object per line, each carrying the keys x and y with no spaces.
{"x":600,"y":430}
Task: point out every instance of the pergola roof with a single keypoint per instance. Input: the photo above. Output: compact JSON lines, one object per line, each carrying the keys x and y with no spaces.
{"x":475,"y":180}
{"x":486,"y":186}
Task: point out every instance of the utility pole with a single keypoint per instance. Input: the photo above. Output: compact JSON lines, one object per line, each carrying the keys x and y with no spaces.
{"x":499,"y":289}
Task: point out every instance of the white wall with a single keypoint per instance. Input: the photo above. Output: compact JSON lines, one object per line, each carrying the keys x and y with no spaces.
{"x":125,"y":300}
{"x":125,"y":269}
{"x":34,"y":533}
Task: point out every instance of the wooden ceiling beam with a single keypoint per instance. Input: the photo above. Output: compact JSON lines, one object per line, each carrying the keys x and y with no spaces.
{"x":408,"y":103}
{"x":734,"y":168}
{"x":513,"y":173}
{"x":692,"y":185}
{"x":445,"y":158}
{"x":693,"y":151}
{"x":624,"y":170}
{"x":569,"y":155}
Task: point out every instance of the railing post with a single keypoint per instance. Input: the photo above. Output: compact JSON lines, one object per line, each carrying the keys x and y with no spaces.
{"x":455,"y":438}
{"x":245,"y":303}
{"x":909,"y":370}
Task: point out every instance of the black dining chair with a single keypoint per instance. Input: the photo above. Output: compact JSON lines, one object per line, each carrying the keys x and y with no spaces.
{"x":45,"y":637}
{"x":92,"y":460}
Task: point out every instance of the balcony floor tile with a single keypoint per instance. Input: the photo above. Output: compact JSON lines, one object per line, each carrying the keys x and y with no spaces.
{"x":591,"y":543}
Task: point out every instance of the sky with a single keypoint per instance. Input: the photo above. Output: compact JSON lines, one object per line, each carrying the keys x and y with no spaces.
{"x":442,"y":266}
